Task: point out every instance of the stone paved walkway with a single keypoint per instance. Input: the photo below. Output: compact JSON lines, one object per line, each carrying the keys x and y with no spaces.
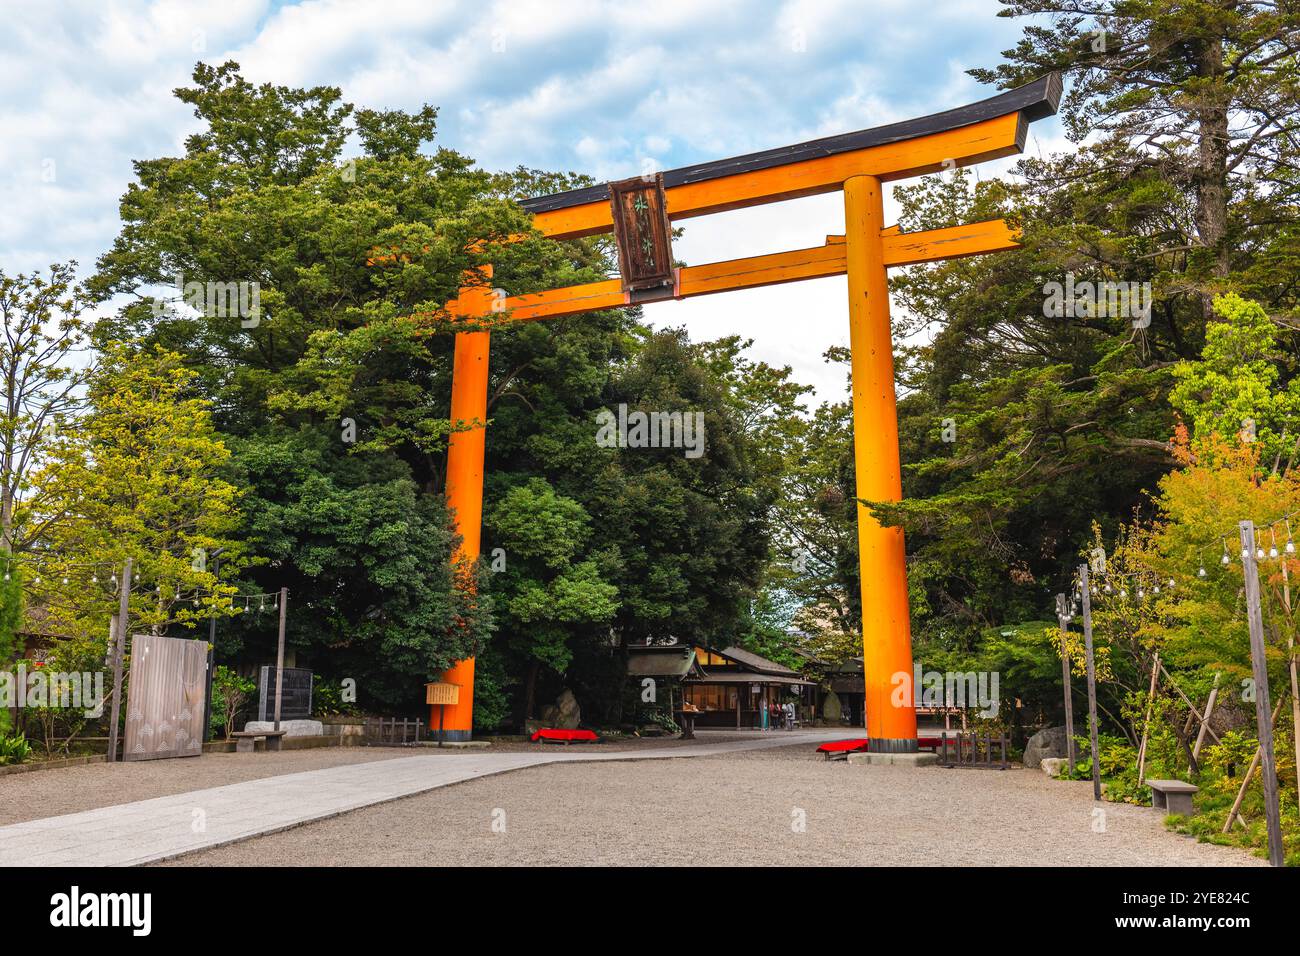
{"x":165,"y":827}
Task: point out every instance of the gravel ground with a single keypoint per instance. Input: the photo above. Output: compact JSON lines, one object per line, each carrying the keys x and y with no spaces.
{"x":741,"y":808}
{"x":51,"y":793}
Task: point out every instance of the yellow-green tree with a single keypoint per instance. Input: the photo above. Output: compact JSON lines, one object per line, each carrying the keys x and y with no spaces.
{"x":137,"y":475}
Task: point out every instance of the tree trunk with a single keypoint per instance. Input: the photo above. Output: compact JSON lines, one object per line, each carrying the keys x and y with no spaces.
{"x":1212,"y":164}
{"x":530,"y":689}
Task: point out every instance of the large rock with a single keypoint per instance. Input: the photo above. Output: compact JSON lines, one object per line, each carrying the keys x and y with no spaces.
{"x":564,"y":714}
{"x":1046,"y":743}
{"x":291,"y":728}
{"x":832,"y":711}
{"x":1054,"y":766}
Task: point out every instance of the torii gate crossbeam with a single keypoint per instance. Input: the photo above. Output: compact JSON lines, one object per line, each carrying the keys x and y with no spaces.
{"x":859,"y":164}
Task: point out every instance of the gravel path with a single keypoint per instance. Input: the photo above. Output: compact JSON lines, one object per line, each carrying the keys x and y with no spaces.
{"x":741,"y":808}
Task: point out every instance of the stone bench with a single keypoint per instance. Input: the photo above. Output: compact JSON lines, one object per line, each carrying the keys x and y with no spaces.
{"x":1173,"y":796}
{"x":246,"y":740}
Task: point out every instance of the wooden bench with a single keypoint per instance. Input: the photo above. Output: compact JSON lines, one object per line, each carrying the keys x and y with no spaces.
{"x":552,"y":735}
{"x":1173,"y":796}
{"x":246,"y":740}
{"x":840,"y":749}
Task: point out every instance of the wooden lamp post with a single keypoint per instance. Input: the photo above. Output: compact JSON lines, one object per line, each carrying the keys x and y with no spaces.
{"x":638,"y":212}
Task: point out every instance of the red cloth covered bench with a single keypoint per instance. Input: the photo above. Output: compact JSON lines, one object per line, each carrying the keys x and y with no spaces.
{"x":555,"y":736}
{"x":836,"y":747}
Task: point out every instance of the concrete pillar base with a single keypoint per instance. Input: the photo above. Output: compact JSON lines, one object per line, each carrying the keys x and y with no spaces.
{"x":896,"y":760}
{"x":453,"y":736}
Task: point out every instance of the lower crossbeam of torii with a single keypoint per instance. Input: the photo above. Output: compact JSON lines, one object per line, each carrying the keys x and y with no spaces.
{"x":639,"y":213}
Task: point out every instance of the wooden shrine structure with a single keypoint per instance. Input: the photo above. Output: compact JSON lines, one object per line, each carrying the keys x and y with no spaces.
{"x":640,"y":212}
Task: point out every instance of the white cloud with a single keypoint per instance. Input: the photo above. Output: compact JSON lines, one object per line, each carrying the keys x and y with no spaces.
{"x":596,"y":86}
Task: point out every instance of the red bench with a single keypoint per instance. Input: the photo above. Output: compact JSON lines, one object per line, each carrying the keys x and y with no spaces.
{"x":837,"y":748}
{"x":552,"y":735}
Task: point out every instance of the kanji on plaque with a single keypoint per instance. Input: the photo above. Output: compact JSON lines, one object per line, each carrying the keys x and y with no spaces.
{"x":641,"y":229}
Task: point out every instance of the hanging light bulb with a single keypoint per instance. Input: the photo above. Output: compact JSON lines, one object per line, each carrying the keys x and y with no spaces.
{"x":1171,"y":582}
{"x":1226,"y":559}
{"x":1201,"y":572}
{"x":1290,"y":545}
{"x":1259,"y":554}
{"x":1156,"y":589}
{"x":65,"y":580}
{"x":1142,"y":593}
{"x":1107,"y":588}
{"x":1272,"y":548}
{"x":1123,"y":592}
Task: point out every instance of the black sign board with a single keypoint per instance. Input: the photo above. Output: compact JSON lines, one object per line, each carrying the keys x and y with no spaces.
{"x":295,"y":694}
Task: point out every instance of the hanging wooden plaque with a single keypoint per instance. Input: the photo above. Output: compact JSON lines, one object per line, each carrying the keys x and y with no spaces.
{"x":440,"y":692}
{"x":641,"y":229}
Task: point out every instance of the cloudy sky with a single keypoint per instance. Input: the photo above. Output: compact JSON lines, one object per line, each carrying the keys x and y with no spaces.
{"x":607,"y":88}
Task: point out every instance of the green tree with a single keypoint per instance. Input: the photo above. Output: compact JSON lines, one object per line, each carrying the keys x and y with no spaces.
{"x":138,"y":475}
{"x":1234,"y":388}
{"x":1204,"y":91}
{"x":544,"y":587}
{"x":43,"y":337}
{"x":333,"y":398}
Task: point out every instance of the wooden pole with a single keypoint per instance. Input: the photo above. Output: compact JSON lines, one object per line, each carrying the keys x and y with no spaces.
{"x":1146,"y":723}
{"x":279,"y":655}
{"x":1291,"y":663}
{"x":886,"y":620}
{"x":1259,"y":667}
{"x":1092,"y":680}
{"x":119,"y":651}
{"x":1245,"y":782}
{"x":1205,"y":720}
{"x":1063,"y":617}
{"x":1209,"y":712}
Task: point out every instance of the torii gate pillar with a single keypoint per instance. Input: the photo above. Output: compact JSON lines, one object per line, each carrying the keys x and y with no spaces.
{"x":465,"y":453}
{"x":882,"y":562}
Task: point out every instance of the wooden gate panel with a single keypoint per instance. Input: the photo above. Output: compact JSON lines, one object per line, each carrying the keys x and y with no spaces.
{"x":165,"y":698}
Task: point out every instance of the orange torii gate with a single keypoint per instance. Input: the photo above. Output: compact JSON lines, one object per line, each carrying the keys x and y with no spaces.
{"x":639,"y":211}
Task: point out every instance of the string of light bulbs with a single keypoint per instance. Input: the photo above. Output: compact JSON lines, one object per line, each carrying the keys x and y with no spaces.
{"x":1142,"y":582}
